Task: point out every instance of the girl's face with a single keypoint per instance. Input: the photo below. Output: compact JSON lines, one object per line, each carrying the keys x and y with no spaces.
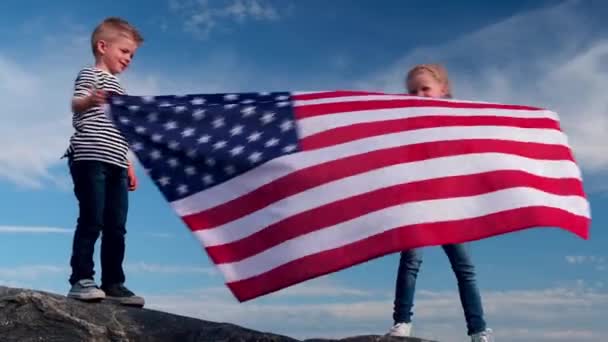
{"x":424,"y":84}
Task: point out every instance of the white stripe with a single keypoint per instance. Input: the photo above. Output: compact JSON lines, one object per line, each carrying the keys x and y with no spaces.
{"x":317,"y":124}
{"x":282,"y":166}
{"x":381,"y":97}
{"x":401,"y":215}
{"x":460,"y":165}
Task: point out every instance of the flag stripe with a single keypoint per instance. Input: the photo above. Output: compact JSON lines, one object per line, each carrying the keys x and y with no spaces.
{"x":308,"y":221}
{"x":302,"y":96}
{"x":375,"y":169}
{"x":406,"y":237}
{"x":316,"y":124}
{"x":357,"y":105}
{"x":377,"y":222}
{"x":282,"y":166}
{"x":370,"y":129}
{"x":247,"y":225}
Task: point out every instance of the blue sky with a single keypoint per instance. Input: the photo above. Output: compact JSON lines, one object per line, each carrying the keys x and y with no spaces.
{"x":538,"y":285}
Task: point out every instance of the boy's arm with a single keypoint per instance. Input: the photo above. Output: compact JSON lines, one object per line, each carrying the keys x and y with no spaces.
{"x":86,"y":96}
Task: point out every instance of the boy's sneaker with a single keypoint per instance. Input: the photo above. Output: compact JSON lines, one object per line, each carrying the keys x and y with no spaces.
{"x":484,"y":336}
{"x":87,"y":290}
{"x":400,"y":330}
{"x":119,"y":293}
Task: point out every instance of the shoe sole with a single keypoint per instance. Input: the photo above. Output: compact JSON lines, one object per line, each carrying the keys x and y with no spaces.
{"x":87,"y":299}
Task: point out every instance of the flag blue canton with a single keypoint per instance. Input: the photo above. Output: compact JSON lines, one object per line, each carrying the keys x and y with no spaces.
{"x":190,"y":143}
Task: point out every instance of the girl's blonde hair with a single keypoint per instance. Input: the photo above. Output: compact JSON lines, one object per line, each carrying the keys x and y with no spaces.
{"x":437,"y":71}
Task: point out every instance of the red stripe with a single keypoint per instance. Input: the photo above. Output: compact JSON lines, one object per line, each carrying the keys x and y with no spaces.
{"x":307,"y":111}
{"x":370,"y":129}
{"x":360,"y":205}
{"x":330,"y":94}
{"x":405,"y":238}
{"x":313,"y":176}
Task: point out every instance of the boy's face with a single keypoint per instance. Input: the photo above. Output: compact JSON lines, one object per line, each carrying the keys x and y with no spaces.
{"x":424,"y":84}
{"x":116,"y":54}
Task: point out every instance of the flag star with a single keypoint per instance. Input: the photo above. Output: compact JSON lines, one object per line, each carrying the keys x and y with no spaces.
{"x":263,"y":93}
{"x":118,"y":101}
{"x":268,"y":117}
{"x":255,"y":136}
{"x":170,"y":125}
{"x":289,"y":148}
{"x":134,"y":108}
{"x":272,"y":142}
{"x":230,"y":170}
{"x":147,"y":99}
{"x":283,"y":104}
{"x":179,"y":109}
{"x":165,"y":104}
{"x":237,"y":150}
{"x":190,"y":170}
{"x":255,"y":157}
{"x":140,"y":129}
{"x":230,"y":105}
{"x":248,"y":111}
{"x":174,"y":145}
{"x":198,"y":114}
{"x":188,"y":132}
{"x":218,"y":122}
{"x":282,"y":98}
{"x":286,"y":125}
{"x":247,"y":101}
{"x":157,"y":137}
{"x":155,"y":154}
{"x":164,"y":181}
{"x":152,"y":117}
{"x":203,"y":139}
{"x":124,"y":120}
{"x":210,"y":161}
{"x":197,"y":101}
{"x":138,"y":146}
{"x":173,"y":162}
{"x":231,"y":97}
{"x":182,"y":189}
{"x":208,"y":179}
{"x":220,"y":144}
{"x":236,"y":130}
{"x":191,"y":153}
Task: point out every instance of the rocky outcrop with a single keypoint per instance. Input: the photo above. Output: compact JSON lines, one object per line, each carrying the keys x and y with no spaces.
{"x":28,"y":316}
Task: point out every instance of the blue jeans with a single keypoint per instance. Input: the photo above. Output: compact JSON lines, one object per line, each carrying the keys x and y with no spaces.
{"x":102,"y":193}
{"x":409,"y":265}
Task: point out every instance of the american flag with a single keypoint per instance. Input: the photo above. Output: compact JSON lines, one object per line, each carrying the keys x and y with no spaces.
{"x":284,"y":187}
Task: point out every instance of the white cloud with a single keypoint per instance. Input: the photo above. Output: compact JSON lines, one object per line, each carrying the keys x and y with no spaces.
{"x":598,"y":262}
{"x":553,"y":314}
{"x":34,"y":230}
{"x":550,"y":58}
{"x":169,"y":269}
{"x":18,"y":274}
{"x":202,"y":17}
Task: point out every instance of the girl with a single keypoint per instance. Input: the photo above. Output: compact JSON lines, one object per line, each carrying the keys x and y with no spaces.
{"x":431,"y":80}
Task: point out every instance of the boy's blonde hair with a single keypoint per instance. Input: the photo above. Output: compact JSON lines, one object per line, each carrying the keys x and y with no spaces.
{"x":437,"y":71}
{"x":110,"y":28}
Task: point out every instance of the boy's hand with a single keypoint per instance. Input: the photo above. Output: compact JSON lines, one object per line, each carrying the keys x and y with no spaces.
{"x":97,"y":97}
{"x":132,"y":178}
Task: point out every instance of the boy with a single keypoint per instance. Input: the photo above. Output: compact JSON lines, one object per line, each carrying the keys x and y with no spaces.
{"x":101,"y":172}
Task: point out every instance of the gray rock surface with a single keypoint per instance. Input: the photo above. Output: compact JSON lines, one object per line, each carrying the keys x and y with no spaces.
{"x":28,"y":316}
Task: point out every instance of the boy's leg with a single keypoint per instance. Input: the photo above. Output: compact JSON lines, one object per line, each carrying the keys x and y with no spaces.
{"x":113,"y":239}
{"x":115,"y":218}
{"x":467,"y":286}
{"x":89,"y":188}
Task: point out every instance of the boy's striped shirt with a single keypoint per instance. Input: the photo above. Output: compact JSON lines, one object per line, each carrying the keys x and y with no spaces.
{"x":96,"y":138}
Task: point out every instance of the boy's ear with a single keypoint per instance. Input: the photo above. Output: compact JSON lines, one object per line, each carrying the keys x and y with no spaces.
{"x":102,"y":46}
